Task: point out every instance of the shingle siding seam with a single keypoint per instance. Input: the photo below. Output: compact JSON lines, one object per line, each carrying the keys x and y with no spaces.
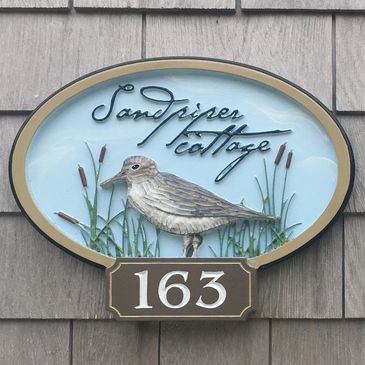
{"x":158,"y":5}
{"x":303,"y":5}
{"x":34,"y":4}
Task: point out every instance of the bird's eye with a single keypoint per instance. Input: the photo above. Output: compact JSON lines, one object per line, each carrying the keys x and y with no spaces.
{"x":135,"y":167}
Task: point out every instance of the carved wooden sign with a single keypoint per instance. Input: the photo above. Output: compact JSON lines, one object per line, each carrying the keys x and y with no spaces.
{"x":181,"y":177}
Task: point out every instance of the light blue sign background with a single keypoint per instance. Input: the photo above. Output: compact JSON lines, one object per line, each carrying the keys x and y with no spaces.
{"x":58,"y":147}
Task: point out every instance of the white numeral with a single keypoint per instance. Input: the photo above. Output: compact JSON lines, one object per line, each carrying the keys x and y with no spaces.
{"x":143,"y":289}
{"x":163,"y":289}
{"x":222,"y":293}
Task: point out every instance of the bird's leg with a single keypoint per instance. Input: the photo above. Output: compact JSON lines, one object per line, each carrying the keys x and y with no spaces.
{"x":187,"y":242}
{"x":196,"y":242}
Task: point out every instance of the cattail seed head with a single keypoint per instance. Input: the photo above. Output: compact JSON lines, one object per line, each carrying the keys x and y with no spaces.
{"x":288,"y":160}
{"x":82,"y":177}
{"x":102,"y":154}
{"x":68,"y":218}
{"x":280,"y":154}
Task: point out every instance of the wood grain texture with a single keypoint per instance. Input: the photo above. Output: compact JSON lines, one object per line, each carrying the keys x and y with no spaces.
{"x":354,"y":127}
{"x":158,"y":4}
{"x":297,"y":47}
{"x":350,"y":63}
{"x":304,"y":4}
{"x":39,"y":280}
{"x":332,"y":342}
{"x":9,"y":126}
{"x":354,"y":267}
{"x":112,"y":342}
{"x":36,"y":4}
{"x":307,"y":285}
{"x":34,"y":342}
{"x":42,"y":53}
{"x":207,"y":343}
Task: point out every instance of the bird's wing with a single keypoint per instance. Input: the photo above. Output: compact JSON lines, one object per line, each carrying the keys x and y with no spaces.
{"x":174,"y":195}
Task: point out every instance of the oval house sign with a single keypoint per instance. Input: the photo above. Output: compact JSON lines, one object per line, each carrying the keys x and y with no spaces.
{"x":151,"y":167}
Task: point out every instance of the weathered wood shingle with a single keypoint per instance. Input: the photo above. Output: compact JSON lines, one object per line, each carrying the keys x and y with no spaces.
{"x":38,"y":280}
{"x":216,"y":5}
{"x":315,"y":5}
{"x":354,"y":127}
{"x":297,"y":47}
{"x":9,"y":126}
{"x":44,"y":52}
{"x":350,"y":63}
{"x":34,"y":4}
{"x":318,"y":342}
{"x":32,"y":342}
{"x":207,"y":343}
{"x":112,"y":342}
{"x":307,"y":285}
{"x":354,"y":267}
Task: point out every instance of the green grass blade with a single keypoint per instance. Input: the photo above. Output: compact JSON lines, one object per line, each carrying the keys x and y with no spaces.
{"x":282,"y":206}
{"x":213,"y":252}
{"x":92,"y":158}
{"x":267,"y":186}
{"x":262,"y":195}
{"x":85,"y":237}
{"x":157,"y":247}
{"x":287,"y":210}
{"x":273,"y":190}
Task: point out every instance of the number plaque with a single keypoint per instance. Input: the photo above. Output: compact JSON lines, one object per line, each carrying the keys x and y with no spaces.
{"x":180,"y":288}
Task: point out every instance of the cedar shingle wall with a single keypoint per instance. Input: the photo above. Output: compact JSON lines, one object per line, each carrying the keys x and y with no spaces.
{"x":312,"y":305}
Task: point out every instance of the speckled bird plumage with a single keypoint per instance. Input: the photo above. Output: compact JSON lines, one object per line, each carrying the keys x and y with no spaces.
{"x":176,"y":205}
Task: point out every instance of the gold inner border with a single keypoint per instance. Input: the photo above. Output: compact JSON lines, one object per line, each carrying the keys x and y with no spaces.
{"x":25,"y":138}
{"x":118,"y":266}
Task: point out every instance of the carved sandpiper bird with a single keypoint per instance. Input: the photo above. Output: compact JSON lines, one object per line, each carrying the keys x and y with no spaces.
{"x":176,"y":205}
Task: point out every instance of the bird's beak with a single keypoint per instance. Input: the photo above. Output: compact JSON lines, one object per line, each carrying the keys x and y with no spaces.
{"x":119,"y":177}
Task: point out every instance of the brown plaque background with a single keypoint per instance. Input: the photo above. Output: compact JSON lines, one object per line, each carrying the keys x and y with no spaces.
{"x":122,"y":289}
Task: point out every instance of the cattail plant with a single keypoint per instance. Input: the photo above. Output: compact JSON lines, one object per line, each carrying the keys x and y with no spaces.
{"x":278,"y":157}
{"x":82,"y":177}
{"x":251,"y":238}
{"x":280,"y":153}
{"x":94,"y":236}
{"x":67,"y":218}
{"x":288,"y":160}
{"x":102,"y":154}
{"x":281,"y":230}
{"x":286,"y":204}
{"x":287,"y":167}
{"x":99,"y":234}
